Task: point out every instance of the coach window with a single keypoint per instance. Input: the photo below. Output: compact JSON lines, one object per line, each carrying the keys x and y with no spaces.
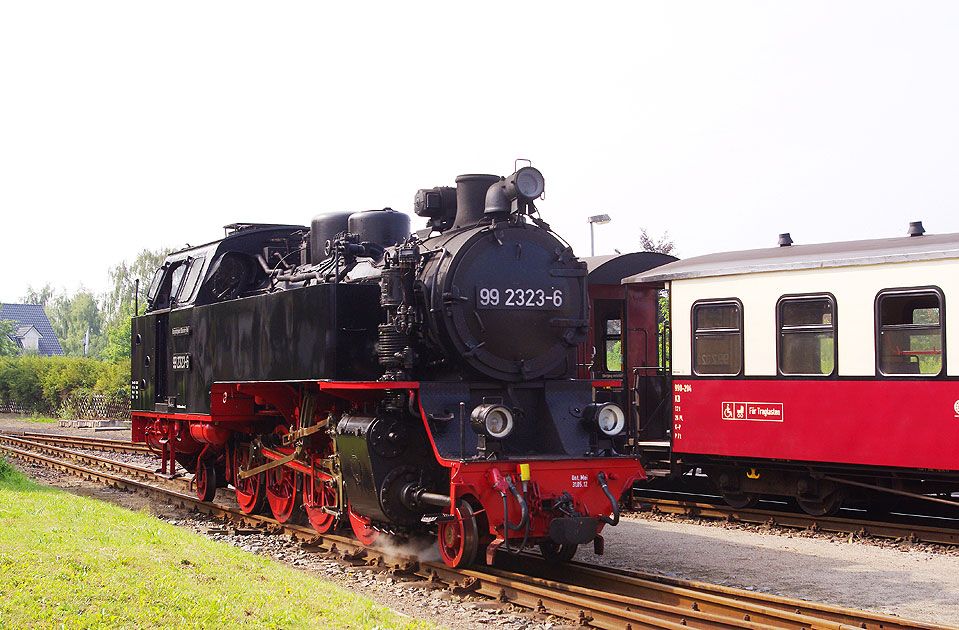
{"x":910,"y":339}
{"x":613,"y":343}
{"x":718,"y":338}
{"x":807,"y":335}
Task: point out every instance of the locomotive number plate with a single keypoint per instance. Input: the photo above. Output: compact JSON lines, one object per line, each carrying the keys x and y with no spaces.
{"x":181,"y":361}
{"x":520,"y":297}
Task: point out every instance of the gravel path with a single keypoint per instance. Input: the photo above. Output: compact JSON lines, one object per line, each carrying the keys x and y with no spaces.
{"x":898,"y":580}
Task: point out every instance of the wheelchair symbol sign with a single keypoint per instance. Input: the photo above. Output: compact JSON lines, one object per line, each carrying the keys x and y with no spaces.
{"x":734,"y":411}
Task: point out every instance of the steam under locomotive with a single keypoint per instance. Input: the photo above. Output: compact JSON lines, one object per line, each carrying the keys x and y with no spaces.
{"x":353,"y":372}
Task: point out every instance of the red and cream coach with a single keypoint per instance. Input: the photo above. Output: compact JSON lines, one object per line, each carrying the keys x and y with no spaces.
{"x":808,"y":371}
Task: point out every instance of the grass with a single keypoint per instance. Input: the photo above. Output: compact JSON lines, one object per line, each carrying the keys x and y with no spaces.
{"x":73,"y":562}
{"x":37,"y":418}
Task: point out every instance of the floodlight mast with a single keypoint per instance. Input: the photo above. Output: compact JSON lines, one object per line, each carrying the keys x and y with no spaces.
{"x":597,"y":218}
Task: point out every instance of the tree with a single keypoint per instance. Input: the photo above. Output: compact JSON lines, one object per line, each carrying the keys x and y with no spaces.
{"x":117,"y":348}
{"x":7,"y":347}
{"x":72,"y":317}
{"x":663,"y":246}
{"x":41,"y":297}
{"x":120,"y":301}
{"x":123,"y":279}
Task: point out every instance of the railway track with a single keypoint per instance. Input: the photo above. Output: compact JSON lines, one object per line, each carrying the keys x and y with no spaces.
{"x":74,"y":441}
{"x":585,"y":594}
{"x":912,"y":531}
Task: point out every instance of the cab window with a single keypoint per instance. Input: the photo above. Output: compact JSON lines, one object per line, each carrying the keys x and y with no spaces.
{"x":910,"y":340}
{"x":177,"y":278}
{"x":155,"y":283}
{"x":166,"y":283}
{"x":718,"y":338}
{"x":189,"y":284}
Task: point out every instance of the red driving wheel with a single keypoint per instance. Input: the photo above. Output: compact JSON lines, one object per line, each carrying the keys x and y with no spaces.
{"x":250,"y":492}
{"x":362,"y":527}
{"x":283,"y":493}
{"x":205,"y":480}
{"x":319,"y":494}
{"x":458,"y":538}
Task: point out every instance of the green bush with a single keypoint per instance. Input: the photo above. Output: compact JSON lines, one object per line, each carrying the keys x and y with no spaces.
{"x":6,"y":470}
{"x":45,"y":384}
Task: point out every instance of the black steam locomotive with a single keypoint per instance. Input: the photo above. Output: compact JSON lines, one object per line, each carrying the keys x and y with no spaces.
{"x":404,"y":383}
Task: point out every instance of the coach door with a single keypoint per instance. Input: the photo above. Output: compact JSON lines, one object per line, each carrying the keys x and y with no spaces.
{"x":646,"y":360}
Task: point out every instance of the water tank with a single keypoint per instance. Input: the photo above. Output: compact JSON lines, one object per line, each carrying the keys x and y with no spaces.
{"x":323,"y":228}
{"x":384,"y":227}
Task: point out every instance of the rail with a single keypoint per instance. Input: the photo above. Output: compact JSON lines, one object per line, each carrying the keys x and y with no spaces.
{"x":862,"y":527}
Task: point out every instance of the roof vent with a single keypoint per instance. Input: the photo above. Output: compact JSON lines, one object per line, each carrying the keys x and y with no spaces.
{"x":916,"y":229}
{"x":785,"y":240}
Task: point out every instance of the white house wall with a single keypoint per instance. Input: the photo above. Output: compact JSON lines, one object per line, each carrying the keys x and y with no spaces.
{"x":854,"y":288}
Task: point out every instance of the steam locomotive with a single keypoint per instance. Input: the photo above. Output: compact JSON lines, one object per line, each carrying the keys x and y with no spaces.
{"x":353,"y":372}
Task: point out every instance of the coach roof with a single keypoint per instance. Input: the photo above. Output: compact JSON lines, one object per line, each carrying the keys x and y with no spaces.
{"x":817,"y":256}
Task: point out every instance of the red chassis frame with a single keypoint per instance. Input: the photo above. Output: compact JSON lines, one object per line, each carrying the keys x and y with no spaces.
{"x":482,"y":484}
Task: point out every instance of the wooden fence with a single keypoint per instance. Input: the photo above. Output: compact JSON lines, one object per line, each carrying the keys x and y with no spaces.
{"x":85,"y":408}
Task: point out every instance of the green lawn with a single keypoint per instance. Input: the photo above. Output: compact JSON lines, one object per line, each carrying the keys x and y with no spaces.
{"x":72,"y":562}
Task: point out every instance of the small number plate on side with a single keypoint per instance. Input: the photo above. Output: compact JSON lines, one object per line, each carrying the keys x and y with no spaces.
{"x":181,"y":361}
{"x":536,"y":299}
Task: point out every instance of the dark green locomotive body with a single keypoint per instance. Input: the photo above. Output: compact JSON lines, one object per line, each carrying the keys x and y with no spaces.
{"x":179,"y":353}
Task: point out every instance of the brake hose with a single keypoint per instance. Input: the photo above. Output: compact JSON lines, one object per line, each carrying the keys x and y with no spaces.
{"x":524,"y":520}
{"x":602,"y":484}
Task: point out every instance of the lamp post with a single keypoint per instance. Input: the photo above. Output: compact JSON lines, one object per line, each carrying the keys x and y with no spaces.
{"x":598,"y":218}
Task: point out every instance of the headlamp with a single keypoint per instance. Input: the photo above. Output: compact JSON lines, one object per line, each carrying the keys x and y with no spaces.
{"x":527,"y":184}
{"x":495,"y":421}
{"x":607,"y":417}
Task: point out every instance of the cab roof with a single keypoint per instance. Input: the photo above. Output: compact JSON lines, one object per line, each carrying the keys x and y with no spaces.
{"x":613,"y":268}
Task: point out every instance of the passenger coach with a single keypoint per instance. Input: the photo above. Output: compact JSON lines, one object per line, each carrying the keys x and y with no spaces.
{"x":806,"y":371}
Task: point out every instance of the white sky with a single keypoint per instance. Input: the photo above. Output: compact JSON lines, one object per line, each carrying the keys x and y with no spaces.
{"x":132,"y":125}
